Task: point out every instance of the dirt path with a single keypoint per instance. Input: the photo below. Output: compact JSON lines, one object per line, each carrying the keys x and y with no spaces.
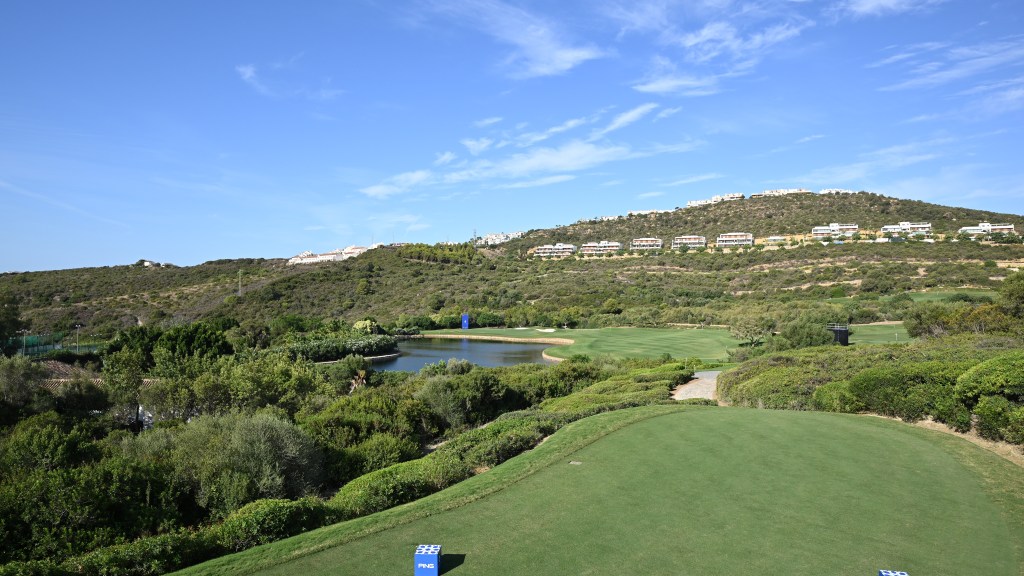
{"x":703,"y":385}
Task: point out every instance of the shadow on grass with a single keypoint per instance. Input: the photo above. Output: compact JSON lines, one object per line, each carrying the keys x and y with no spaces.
{"x":450,"y":562}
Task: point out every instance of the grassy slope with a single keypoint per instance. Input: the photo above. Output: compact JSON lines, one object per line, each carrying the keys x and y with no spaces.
{"x":718,"y":491}
{"x":710,"y":344}
{"x":878,"y":333}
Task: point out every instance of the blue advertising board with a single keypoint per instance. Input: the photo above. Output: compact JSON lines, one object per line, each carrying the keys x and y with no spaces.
{"x":892,"y":573}
{"x":465,"y":321}
{"x":428,"y":560}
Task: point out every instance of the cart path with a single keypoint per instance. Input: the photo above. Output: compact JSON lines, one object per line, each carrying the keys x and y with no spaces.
{"x":703,"y":385}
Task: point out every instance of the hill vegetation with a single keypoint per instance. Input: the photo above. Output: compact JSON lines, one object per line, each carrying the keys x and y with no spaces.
{"x":763,"y":217}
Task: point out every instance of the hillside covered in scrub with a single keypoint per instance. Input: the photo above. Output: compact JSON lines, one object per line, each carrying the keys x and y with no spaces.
{"x":763,"y":217}
{"x":498,"y":286}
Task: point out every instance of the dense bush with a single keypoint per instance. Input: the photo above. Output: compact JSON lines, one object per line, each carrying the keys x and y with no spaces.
{"x":326,"y":348}
{"x":909,"y":391}
{"x":1002,"y":375}
{"x":268,"y":520}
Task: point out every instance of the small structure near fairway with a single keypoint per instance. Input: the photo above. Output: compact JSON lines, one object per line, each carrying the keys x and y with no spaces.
{"x":428,"y":560}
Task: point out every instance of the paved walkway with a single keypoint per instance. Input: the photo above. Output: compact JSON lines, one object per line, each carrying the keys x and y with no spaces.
{"x":702,"y":386}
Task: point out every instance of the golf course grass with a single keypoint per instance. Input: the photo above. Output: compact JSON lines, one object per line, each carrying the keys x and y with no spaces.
{"x":709,"y":344}
{"x":695,"y":490}
{"x":878,"y":333}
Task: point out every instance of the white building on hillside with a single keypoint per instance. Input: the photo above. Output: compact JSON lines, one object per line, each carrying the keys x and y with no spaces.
{"x":833,"y":230}
{"x":554,"y":250}
{"x":781,"y":192}
{"x":912,"y":228}
{"x":727,"y":198}
{"x":337,"y":255}
{"x":645,"y":244}
{"x":837,"y":191}
{"x":498,"y":238}
{"x":690,"y":241}
{"x":697,"y":203}
{"x":735,"y":239}
{"x":646,"y":212}
{"x":984,"y":228}
{"x":602,"y":247}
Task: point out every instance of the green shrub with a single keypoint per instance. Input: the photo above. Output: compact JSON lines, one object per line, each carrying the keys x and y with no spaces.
{"x":32,"y":568}
{"x":1003,"y":375}
{"x":950,"y":411}
{"x":148,"y":556}
{"x":381,"y":490}
{"x":699,"y":402}
{"x":836,"y":397}
{"x":1014,"y":431}
{"x":268,"y":520}
{"x":993,"y":414}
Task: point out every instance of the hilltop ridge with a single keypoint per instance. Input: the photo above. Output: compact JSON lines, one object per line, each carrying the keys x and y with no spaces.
{"x":793,"y":214}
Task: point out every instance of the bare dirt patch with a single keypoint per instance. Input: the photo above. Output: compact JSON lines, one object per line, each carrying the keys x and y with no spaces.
{"x":703,"y":385}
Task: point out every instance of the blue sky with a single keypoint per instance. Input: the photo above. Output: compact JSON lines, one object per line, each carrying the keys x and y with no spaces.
{"x":188,"y":131}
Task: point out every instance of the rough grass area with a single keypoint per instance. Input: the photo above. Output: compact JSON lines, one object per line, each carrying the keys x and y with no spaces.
{"x":709,"y":344}
{"x":699,"y":491}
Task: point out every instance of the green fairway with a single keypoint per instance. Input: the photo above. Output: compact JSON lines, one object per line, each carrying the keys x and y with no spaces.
{"x":711,"y":344}
{"x":878,"y":333}
{"x":700,"y":491}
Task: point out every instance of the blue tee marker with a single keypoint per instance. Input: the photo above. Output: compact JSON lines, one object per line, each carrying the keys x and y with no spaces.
{"x":428,"y":560}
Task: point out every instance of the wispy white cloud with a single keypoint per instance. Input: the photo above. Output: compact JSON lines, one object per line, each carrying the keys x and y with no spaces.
{"x":397,"y":184}
{"x":876,"y":162}
{"x":650,"y":195}
{"x":249,"y":75}
{"x":665,"y":78}
{"x":488,"y":121}
{"x":667,"y":112}
{"x":810,"y":138}
{"x":721,"y":38}
{"x":909,"y":53}
{"x":625,"y":119}
{"x":391,"y":220}
{"x":540,"y":48}
{"x":58,"y":204}
{"x":859,"y":8}
{"x":961,"y":62}
{"x":444,"y":158}
{"x":696,"y":179}
{"x":476,"y":145}
{"x":530,"y":138}
{"x":546,"y":181}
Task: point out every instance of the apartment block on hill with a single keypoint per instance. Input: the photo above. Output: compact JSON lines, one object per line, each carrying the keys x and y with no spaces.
{"x":984,"y":229}
{"x":645,"y":244}
{"x":599,"y":248}
{"x":911,"y":228}
{"x":735,"y":239}
{"x":834,"y":230}
{"x":554,"y":250}
{"x":689,"y":241}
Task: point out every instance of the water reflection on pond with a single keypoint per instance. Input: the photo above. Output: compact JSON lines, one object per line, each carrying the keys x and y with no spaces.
{"x":419,"y":352}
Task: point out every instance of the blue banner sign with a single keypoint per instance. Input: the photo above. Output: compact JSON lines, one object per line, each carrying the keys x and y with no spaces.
{"x":465,"y":321}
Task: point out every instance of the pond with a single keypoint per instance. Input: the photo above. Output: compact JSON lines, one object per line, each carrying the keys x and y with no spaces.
{"x":419,"y":352}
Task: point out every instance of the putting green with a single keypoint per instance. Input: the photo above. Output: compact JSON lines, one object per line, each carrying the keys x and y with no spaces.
{"x":721,"y":491}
